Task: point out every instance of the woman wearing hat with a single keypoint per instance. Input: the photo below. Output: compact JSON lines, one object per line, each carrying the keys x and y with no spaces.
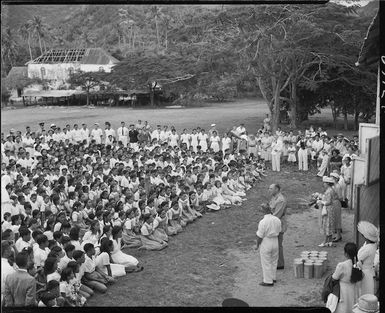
{"x":327,"y":219}
{"x":366,"y":256}
{"x":337,"y":201}
{"x":347,"y":279}
{"x":367,"y":304}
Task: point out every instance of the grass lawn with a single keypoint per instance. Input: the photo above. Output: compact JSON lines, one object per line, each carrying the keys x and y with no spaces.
{"x":251,"y":112}
{"x":213,"y":258}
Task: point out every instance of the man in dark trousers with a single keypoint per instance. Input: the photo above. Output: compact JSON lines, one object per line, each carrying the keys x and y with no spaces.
{"x":133,"y":136}
{"x":278,"y":208}
{"x":20,"y":287}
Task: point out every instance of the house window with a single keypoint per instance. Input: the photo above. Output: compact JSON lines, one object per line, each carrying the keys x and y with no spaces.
{"x":42,"y":71}
{"x":101,"y":69}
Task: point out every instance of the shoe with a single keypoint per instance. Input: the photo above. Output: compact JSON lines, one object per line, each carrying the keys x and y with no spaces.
{"x":337,"y":240}
{"x":322,"y":244}
{"x":329,"y":244}
{"x":274,"y":281}
{"x":266,"y":285}
{"x":280,"y":267}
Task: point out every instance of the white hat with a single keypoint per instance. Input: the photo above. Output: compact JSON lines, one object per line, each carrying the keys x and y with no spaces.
{"x":335,"y":175}
{"x":368,"y":230}
{"x":327,"y":179}
{"x":212,"y":125}
{"x":96,"y":124}
{"x":367,"y":304}
{"x":53,"y":125}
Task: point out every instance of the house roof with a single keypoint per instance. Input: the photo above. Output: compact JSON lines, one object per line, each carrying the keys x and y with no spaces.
{"x":82,"y":56}
{"x":370,"y":50}
{"x":17,"y":72}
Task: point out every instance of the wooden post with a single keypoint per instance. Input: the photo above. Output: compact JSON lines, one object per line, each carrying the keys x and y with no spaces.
{"x":23,"y":101}
{"x":378,"y":112}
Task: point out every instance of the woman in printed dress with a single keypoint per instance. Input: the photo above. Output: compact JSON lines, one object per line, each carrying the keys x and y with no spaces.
{"x":252,"y":146}
{"x":129,"y":237}
{"x":327,"y":219}
{"x":175,"y":217}
{"x":149,"y":240}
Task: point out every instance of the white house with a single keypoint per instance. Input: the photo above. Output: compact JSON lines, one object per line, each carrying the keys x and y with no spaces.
{"x":57,"y":65}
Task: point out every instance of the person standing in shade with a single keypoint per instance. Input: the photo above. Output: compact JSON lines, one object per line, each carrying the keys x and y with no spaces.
{"x":267,"y":239}
{"x":277,"y":206}
{"x":20,"y":287}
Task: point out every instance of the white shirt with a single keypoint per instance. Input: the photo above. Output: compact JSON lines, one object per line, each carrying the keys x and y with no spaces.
{"x":122,"y":131}
{"x":6,"y":269}
{"x":110,"y":132}
{"x":40,"y":256}
{"x":89,"y":264}
{"x":269,"y":226}
{"x":21,"y":244}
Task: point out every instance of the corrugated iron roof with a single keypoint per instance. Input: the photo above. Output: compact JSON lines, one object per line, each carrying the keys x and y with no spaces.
{"x":370,"y":50}
{"x":83,"y":56}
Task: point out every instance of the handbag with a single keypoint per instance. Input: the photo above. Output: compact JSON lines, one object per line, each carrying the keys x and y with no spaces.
{"x":357,"y":273}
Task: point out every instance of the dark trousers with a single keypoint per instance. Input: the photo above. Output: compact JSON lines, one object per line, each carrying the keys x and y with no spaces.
{"x":281,"y":261}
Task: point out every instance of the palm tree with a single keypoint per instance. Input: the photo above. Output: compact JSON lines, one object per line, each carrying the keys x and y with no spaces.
{"x":39,"y":28}
{"x":25,"y":33}
{"x":8,"y":47}
{"x":156,"y":14}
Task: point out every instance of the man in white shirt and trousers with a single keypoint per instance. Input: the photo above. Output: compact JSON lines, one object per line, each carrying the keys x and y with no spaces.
{"x":123,"y":134}
{"x":267,"y":242}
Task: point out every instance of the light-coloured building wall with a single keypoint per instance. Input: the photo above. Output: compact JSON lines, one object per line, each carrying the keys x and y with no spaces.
{"x":61,"y":71}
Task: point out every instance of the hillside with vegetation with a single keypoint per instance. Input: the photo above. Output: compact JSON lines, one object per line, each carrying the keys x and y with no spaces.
{"x":298,"y":57}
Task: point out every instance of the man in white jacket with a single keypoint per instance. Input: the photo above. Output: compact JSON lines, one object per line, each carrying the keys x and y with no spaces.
{"x":267,"y":240}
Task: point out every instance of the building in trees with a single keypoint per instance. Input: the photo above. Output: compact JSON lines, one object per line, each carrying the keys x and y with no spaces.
{"x":14,"y":80}
{"x":58,"y":65}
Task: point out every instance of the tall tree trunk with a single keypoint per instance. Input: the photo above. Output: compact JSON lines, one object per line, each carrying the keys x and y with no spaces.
{"x":29,"y":45}
{"x":275,"y":108}
{"x":356,"y":116}
{"x":41,"y":49}
{"x":166,"y":43}
{"x":293,"y":106}
{"x":88,"y":98}
{"x":334,"y":114}
{"x":152,"y":91}
{"x":345,"y":119}
{"x":45,"y":48}
{"x":157,"y":32}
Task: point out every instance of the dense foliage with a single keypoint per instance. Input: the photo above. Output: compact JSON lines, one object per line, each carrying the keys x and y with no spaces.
{"x":299,"y":55}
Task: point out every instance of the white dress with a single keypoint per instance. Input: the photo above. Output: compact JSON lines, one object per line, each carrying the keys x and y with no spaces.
{"x":226,"y":141}
{"x":203,"y":141}
{"x":174,"y":140}
{"x":185,"y":139}
{"x":103,"y":259}
{"x":194,"y":141}
{"x":366,"y":256}
{"x":119,"y":257}
{"x":215,"y":143}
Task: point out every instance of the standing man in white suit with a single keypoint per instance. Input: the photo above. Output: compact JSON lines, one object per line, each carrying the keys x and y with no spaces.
{"x":267,"y":242}
{"x":123,"y":133}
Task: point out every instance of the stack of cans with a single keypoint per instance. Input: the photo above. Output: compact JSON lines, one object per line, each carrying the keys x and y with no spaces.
{"x":311,"y":264}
